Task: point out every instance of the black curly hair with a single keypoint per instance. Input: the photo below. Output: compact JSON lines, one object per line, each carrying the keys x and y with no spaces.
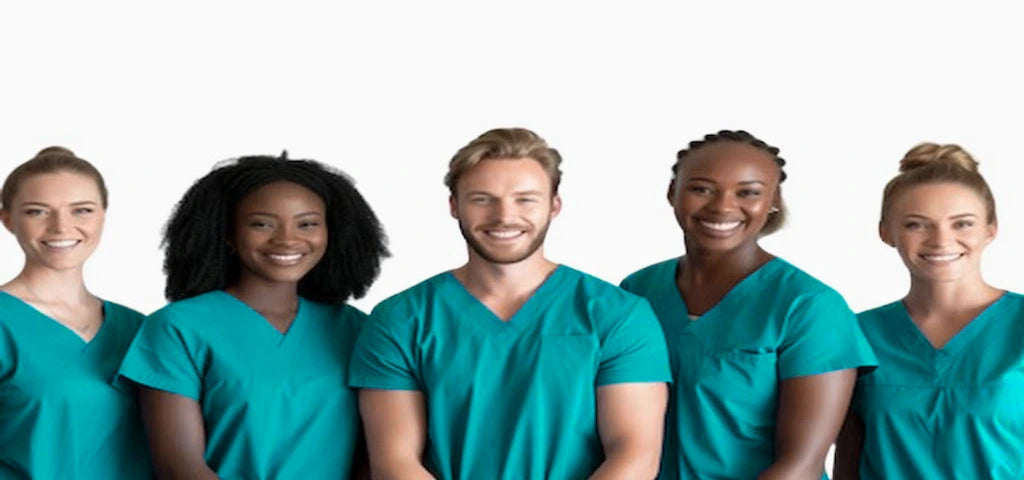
{"x":197,"y":258}
{"x":776,"y":220}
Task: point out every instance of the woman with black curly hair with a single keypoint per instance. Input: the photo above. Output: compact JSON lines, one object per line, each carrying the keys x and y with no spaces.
{"x":243,"y":375}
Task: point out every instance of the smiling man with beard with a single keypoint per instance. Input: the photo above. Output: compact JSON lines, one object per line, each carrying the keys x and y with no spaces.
{"x":511,"y":366}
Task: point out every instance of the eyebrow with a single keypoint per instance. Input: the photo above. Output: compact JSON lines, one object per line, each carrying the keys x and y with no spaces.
{"x":268,"y":214}
{"x":951,"y":217}
{"x":745,"y":182}
{"x":73,"y":204}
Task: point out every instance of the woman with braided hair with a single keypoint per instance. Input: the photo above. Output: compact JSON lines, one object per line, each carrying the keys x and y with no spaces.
{"x":946,"y":399}
{"x":764,"y":356}
{"x":244,"y":374}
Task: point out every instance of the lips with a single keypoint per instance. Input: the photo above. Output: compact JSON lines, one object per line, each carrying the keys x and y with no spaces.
{"x":285,"y":259}
{"x":943,"y":257}
{"x":61,"y":243}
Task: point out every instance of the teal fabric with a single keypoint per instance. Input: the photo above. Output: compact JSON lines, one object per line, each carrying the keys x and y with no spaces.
{"x":275,"y":406}
{"x":777,"y":323}
{"x":950,"y":413}
{"x":60,"y":415}
{"x":511,"y":399}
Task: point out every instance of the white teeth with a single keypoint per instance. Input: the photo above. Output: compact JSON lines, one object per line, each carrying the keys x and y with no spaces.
{"x":942,"y":258}
{"x":285,"y":258}
{"x":720,"y":226}
{"x":61,"y":243}
{"x":504,"y":233}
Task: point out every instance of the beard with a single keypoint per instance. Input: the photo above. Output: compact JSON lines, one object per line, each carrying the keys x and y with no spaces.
{"x":504,"y":259}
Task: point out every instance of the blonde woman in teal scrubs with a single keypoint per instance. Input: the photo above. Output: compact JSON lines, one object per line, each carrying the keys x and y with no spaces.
{"x":764,"y":356}
{"x":947,"y":399}
{"x":60,"y":345}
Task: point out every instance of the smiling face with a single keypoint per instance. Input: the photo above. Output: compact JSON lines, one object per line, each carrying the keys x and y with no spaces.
{"x":723,"y":195}
{"x":57,"y":218}
{"x":939,"y":230}
{"x":279,"y":233}
{"x":504,"y":207}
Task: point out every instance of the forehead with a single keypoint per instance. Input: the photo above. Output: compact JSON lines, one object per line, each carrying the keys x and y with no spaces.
{"x":505,"y":175}
{"x":939,"y":200}
{"x":281,"y":195}
{"x":725,"y":161}
{"x":58,"y":187}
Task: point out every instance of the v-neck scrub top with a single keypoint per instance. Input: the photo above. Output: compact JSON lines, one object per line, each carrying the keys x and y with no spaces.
{"x":511,"y":399}
{"x":60,"y":415}
{"x":954,"y":412}
{"x":275,"y":406}
{"x":777,"y":323}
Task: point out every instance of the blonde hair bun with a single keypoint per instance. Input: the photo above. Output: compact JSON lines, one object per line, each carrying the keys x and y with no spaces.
{"x":930,"y":153}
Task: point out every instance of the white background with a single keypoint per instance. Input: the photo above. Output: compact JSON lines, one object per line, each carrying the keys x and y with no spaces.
{"x":155,"y":94}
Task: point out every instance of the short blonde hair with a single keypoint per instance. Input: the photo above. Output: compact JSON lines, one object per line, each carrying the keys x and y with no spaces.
{"x":935,"y":163}
{"x":505,"y":143}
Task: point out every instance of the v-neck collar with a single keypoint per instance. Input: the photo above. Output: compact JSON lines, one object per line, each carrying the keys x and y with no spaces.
{"x":958,"y":340}
{"x":279,"y":337}
{"x":676,"y":296}
{"x":527,"y":313}
{"x":65,"y":331}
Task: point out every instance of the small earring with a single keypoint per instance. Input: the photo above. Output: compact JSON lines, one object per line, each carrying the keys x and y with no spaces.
{"x":773,"y":210}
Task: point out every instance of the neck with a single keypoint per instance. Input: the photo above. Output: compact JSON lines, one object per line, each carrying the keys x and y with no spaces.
{"x":264,"y":296}
{"x":46,"y":285}
{"x":948,"y":298}
{"x":702,"y":266}
{"x":482,"y":277}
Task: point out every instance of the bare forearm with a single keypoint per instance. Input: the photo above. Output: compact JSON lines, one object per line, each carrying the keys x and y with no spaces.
{"x":400,"y":470}
{"x":784,"y":469}
{"x":184,"y":472}
{"x":635,"y":463}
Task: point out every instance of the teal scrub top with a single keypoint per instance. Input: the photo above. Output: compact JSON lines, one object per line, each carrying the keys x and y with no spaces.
{"x":777,"y":323}
{"x":954,"y":412}
{"x":275,"y":406}
{"x":60,"y":415}
{"x":511,"y":399}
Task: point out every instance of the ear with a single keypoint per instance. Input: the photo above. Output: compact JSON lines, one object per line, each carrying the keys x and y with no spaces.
{"x":777,"y":198}
{"x":885,"y":234}
{"x":5,"y":217}
{"x":556,"y":205}
{"x":452,"y":206}
{"x":993,"y":228}
{"x":670,"y":194}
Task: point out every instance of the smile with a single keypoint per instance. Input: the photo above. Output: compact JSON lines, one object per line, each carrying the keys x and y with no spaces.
{"x":504,"y":234}
{"x":721,"y":227}
{"x":942,"y":258}
{"x":61,"y":243}
{"x":285,"y":258}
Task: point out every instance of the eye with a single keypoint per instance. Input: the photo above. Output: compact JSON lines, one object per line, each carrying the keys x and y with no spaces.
{"x":698,"y":189}
{"x":963,"y":224}
{"x":260,"y":225}
{"x":83,"y":210}
{"x":34,"y":212}
{"x":913,"y":225}
{"x":480,"y":200}
{"x":526,"y":200}
{"x":308,"y":224}
{"x":748,"y":193}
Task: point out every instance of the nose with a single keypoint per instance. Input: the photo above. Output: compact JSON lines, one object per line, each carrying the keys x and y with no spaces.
{"x":941,"y":235}
{"x":507,"y":210}
{"x":284,"y":234}
{"x":59,"y":220}
{"x":723,"y":201}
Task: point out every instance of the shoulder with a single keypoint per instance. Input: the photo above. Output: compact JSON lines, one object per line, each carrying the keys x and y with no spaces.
{"x":121,"y":314}
{"x":650,"y":275}
{"x":192,"y":310}
{"x":335,"y":312}
{"x":603,"y":299}
{"x":415,"y":298}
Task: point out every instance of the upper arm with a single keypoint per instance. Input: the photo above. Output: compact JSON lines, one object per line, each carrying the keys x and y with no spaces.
{"x":810,"y":413}
{"x":395,"y":422}
{"x":821,"y":335}
{"x":631,"y":421}
{"x":634,"y":349}
{"x":632,"y":413}
{"x":177,"y":436}
{"x":848,"y":448}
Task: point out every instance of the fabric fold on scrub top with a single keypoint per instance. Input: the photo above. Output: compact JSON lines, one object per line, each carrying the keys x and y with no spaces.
{"x":60,"y":415}
{"x":511,"y":399}
{"x":275,"y":406}
{"x":777,"y":323}
{"x":953,"y":412}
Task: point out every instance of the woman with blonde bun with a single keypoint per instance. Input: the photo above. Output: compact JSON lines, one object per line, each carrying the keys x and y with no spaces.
{"x":947,"y":399}
{"x":60,"y":345}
